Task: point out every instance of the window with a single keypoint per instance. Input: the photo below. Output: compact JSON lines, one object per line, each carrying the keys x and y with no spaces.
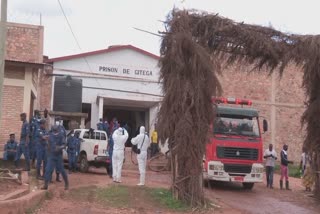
{"x":86,"y":135}
{"x":103,"y":136}
{"x":97,"y":135}
{"x":236,"y":125}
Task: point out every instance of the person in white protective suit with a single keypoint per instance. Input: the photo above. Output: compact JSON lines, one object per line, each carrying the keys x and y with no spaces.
{"x":142,"y":141}
{"x":120,"y":137}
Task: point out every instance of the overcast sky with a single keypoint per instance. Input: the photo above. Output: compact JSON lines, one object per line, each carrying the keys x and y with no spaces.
{"x":101,"y":23}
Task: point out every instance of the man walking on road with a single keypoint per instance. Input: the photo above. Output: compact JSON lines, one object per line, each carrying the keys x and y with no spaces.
{"x":284,"y":167}
{"x":271,"y":156}
{"x":55,"y":161}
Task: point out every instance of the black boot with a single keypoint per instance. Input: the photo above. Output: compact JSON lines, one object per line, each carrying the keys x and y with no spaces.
{"x":281,"y":184}
{"x":66,"y":181}
{"x":58,"y":177}
{"x":45,"y":186}
{"x":287,"y":185}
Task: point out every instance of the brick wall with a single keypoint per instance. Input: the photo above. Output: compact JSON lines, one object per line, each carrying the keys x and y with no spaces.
{"x":12,"y":107}
{"x":24,"y":43}
{"x":45,"y":88}
{"x":238,"y":82}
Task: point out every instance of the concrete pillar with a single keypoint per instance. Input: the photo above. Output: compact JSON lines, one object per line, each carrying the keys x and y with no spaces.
{"x":82,"y":124}
{"x":100,"y":107}
{"x":273,"y":108}
{"x":94,"y":115}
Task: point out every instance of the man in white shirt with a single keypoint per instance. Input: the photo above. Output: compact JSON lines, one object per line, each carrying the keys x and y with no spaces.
{"x":120,"y":137}
{"x":271,"y":156}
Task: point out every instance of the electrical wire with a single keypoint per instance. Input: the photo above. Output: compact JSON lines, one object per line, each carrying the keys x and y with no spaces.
{"x":76,"y":40}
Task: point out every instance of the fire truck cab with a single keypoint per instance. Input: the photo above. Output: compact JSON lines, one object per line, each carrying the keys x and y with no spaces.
{"x":235,"y":152}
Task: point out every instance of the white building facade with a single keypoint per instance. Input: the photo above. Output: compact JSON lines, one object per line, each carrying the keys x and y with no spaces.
{"x":119,"y":82}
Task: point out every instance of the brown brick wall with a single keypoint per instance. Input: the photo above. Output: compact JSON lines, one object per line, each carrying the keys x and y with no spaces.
{"x":238,"y":82}
{"x":14,"y":72}
{"x":24,"y":43}
{"x":12,"y":107}
{"x":45,"y":88}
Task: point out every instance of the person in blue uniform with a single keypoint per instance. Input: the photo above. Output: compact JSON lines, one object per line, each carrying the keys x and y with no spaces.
{"x":34,"y":126}
{"x":41,"y":146}
{"x":62,"y":131}
{"x":23,"y":147}
{"x":55,"y":161}
{"x":78,"y":150}
{"x":72,"y":150}
{"x":10,"y":148}
{"x":100,"y":125}
{"x":106,"y":127}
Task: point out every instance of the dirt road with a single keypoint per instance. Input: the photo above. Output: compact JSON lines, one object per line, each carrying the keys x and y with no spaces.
{"x":231,"y":197}
{"x":263,"y":200}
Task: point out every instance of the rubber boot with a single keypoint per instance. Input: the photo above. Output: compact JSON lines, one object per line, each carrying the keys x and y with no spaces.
{"x":287,"y":185}
{"x":281,"y":184}
{"x":66,"y":181}
{"x":45,"y":186}
{"x":58,"y":177}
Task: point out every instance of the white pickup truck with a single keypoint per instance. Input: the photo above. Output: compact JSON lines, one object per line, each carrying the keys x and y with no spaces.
{"x":93,"y":149}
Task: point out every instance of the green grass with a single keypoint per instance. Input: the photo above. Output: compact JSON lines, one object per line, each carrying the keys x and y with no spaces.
{"x":116,"y":196}
{"x":165,"y":198}
{"x":294,"y":170}
{"x":120,"y":196}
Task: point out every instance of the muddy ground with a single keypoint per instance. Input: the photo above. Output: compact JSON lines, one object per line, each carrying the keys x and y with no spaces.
{"x":231,"y":197}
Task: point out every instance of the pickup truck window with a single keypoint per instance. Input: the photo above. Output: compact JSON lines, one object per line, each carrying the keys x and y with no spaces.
{"x":103,"y":136}
{"x":97,"y":135}
{"x":86,"y":135}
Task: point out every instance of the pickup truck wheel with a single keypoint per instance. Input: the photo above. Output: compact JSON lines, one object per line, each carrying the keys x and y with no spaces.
{"x":248,"y":185}
{"x":84,"y":165}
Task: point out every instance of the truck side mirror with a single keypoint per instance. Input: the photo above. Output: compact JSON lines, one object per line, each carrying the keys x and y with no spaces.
{"x":265,"y":126}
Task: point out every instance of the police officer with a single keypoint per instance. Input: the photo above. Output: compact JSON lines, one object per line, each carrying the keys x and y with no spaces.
{"x":23,"y":147}
{"x":41,"y":147}
{"x":55,"y":161}
{"x":10,"y":149}
{"x":62,"y":131}
{"x":100,"y":125}
{"x":72,"y":150}
{"x":34,"y":126}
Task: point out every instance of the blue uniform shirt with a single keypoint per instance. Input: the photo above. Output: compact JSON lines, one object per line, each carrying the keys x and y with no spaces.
{"x":100,"y":126}
{"x":25,"y":131}
{"x":11,"y":145}
{"x":39,"y":134}
{"x":35,"y":125}
{"x":55,"y":140}
{"x":73,"y":144}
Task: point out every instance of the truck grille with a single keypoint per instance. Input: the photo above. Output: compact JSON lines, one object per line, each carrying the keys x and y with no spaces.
{"x":237,"y":168}
{"x":237,"y":153}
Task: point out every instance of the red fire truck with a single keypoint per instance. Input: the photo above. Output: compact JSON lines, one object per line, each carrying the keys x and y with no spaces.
{"x":235,"y":152}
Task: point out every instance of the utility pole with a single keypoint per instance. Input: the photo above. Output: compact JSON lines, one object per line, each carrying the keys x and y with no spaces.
{"x":3,"y":35}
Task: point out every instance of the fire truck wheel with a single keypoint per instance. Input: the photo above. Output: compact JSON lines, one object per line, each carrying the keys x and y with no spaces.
{"x":248,"y":185}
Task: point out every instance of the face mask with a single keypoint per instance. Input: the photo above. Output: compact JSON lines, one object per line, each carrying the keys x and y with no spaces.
{"x":57,"y":123}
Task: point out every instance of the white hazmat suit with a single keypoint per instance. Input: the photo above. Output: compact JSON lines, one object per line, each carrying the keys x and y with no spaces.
{"x":120,"y":137}
{"x":142,"y":141}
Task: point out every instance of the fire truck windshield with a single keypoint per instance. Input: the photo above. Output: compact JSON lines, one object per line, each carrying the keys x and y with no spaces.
{"x":236,"y":125}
